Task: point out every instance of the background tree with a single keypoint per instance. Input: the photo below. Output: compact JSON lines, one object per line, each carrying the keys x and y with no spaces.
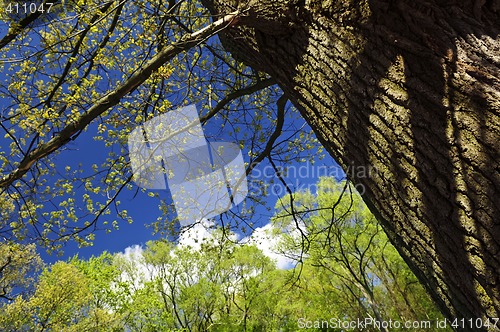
{"x":221,"y":285}
{"x":349,"y":262}
{"x":75,"y":296}
{"x":410,"y":89}
{"x":18,"y":267}
{"x":61,"y":298}
{"x":105,"y":309}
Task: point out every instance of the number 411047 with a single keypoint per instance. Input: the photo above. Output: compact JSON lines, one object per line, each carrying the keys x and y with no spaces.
{"x":28,"y":8}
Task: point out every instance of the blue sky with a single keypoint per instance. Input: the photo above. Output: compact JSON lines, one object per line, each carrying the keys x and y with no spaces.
{"x":144,"y":209}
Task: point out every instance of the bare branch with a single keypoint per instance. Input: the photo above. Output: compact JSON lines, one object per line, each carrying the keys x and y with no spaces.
{"x":274,"y":136}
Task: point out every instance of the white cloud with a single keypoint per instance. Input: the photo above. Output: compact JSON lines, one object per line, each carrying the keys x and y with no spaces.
{"x":202,"y":231}
{"x":133,"y":252}
{"x":196,"y":234}
{"x":263,"y":239}
{"x":133,"y":267}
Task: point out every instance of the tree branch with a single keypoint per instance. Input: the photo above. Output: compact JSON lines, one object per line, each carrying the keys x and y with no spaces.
{"x":111,"y":99}
{"x":16,"y":28}
{"x":237,"y":94}
{"x":274,"y":136}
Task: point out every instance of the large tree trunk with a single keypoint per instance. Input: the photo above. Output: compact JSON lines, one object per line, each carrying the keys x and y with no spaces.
{"x":410,"y":88}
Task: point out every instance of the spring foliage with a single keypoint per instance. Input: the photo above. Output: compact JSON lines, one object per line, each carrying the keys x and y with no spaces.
{"x":350,"y":272}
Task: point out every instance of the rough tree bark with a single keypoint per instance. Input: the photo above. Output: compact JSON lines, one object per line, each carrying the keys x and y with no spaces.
{"x":410,"y":88}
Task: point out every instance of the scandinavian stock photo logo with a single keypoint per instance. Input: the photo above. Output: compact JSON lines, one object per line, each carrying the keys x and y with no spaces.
{"x":204,"y":178}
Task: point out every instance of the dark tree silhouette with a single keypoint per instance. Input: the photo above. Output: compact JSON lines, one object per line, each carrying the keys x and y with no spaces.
{"x":410,"y":89}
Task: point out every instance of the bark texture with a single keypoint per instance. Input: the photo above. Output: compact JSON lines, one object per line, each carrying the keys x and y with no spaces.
{"x":410,"y":88}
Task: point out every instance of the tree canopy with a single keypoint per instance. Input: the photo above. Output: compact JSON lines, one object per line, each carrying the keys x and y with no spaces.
{"x":220,"y":284}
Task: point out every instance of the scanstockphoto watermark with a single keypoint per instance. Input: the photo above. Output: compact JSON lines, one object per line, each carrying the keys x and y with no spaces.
{"x":371,"y":323}
{"x":303,"y":177}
